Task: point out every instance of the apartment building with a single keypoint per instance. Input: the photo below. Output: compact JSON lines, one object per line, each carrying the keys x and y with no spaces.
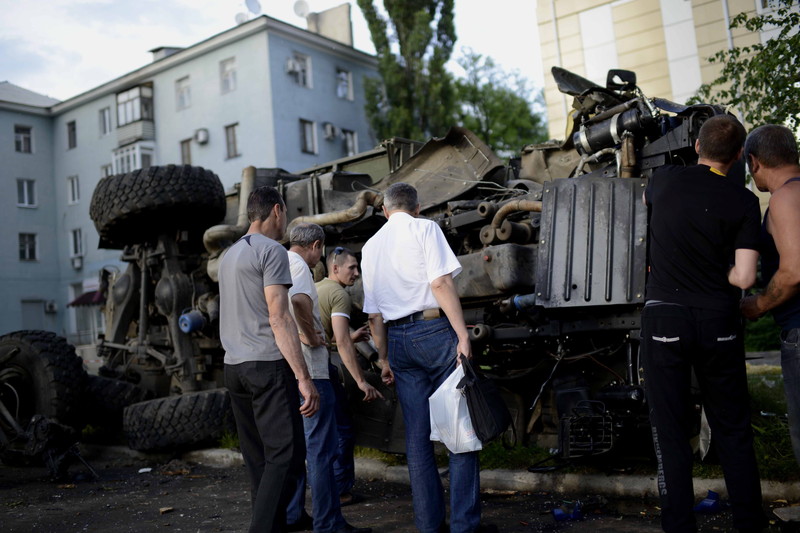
{"x":263,"y":93}
{"x":666,"y":42}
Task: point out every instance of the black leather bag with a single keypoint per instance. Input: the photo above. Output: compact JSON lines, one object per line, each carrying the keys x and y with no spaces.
{"x":489,"y":413}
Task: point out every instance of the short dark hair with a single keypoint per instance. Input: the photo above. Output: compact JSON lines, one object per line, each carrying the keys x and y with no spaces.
{"x":261,"y":202}
{"x":721,"y":137}
{"x":400,"y":196}
{"x":773,"y":145}
{"x":305,"y":234}
{"x":337,"y":257}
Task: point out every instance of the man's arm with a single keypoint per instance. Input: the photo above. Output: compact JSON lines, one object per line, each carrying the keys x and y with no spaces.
{"x":783,"y":222}
{"x":444,"y":290}
{"x":304,"y":313}
{"x":380,"y":336}
{"x":743,"y":272}
{"x":341,"y":331}
{"x":285,"y":331}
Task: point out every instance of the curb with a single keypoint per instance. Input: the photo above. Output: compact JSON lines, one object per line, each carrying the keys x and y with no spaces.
{"x":622,"y":486}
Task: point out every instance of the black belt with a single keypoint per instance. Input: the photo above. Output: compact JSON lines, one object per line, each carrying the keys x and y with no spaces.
{"x":427,"y":314}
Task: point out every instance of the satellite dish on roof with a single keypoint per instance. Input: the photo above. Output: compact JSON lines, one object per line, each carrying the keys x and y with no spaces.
{"x":301,"y":8}
{"x":241,"y":18}
{"x":253,"y":6}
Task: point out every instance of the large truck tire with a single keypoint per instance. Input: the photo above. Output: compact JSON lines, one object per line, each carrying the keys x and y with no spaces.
{"x":187,"y":421}
{"x":106,"y":399}
{"x":41,"y":374}
{"x":136,"y":207}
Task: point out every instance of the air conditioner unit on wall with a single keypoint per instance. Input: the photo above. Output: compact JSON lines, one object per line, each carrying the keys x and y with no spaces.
{"x":77,"y":262}
{"x":331,"y":131}
{"x":50,"y":307}
{"x":292,"y":66}
{"x":201,"y":136}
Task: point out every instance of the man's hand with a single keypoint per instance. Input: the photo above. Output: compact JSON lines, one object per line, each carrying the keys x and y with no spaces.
{"x":317,"y":340}
{"x":370,"y":392}
{"x":464,"y":348}
{"x":361,"y":334}
{"x":749,"y":307}
{"x":387,"y":376}
{"x":310,"y":397}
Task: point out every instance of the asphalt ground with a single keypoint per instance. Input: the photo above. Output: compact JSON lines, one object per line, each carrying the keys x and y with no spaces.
{"x":207,"y":491}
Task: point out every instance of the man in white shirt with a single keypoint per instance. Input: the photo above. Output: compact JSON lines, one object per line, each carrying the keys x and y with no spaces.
{"x":418,"y":327}
{"x":305,"y":249}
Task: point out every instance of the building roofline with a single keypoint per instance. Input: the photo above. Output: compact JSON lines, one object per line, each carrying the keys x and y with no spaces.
{"x":262,"y":23}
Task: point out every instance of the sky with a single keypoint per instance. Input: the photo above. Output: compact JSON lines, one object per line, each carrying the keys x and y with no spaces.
{"x":62,"y":48}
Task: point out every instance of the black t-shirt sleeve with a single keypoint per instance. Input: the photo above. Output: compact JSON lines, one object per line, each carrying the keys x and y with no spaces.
{"x":751,"y":224}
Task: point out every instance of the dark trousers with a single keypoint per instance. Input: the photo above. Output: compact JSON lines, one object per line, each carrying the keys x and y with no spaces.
{"x":676,"y":339}
{"x":344,"y":466}
{"x":266,"y":408}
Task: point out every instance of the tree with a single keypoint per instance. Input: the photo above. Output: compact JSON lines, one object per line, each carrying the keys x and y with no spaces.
{"x":497,"y":106}
{"x":762,"y":80}
{"x":414,"y":96}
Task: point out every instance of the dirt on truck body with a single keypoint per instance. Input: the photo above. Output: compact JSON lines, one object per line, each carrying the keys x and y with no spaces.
{"x":553,"y":246}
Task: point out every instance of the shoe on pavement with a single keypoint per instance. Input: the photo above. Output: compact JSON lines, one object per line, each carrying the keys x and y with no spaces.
{"x":306,"y":523}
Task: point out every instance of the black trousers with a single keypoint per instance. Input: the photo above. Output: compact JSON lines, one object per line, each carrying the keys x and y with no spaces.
{"x":266,"y":407}
{"x":676,"y":339}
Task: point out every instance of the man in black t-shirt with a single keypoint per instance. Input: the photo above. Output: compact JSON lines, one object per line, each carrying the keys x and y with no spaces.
{"x":703,"y":240}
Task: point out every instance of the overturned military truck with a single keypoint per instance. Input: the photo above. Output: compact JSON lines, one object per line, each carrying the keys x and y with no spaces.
{"x":553,"y":246}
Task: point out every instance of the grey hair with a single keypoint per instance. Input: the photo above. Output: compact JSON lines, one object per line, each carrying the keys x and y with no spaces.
{"x":400,"y":196}
{"x":773,"y":145}
{"x":305,"y":234}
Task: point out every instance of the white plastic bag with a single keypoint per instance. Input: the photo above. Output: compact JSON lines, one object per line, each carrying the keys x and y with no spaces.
{"x":450,"y":422}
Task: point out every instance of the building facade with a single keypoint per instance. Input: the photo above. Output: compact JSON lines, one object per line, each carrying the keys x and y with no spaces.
{"x":264,"y":93}
{"x":666,"y":42}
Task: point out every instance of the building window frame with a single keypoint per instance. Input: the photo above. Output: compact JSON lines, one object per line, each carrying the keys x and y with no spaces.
{"x":299,"y":66}
{"x":23,"y":139}
{"x":344,"y":84}
{"x":76,"y":243}
{"x":104,"y":116}
{"x":183,"y":93}
{"x":308,"y":136}
{"x":26,"y":193}
{"x":28,"y":247}
{"x":227,"y":75}
{"x":106,"y":170}
{"x":73,"y":190}
{"x":186,"y":151}
{"x":132,"y":156}
{"x":134,"y":104}
{"x":350,"y":142}
{"x":72,"y":135}
{"x":231,"y":141}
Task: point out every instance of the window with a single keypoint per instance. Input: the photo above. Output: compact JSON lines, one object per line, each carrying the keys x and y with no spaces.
{"x":106,"y":171}
{"x":350,"y":142}
{"x":183,"y":93}
{"x":131,"y":157}
{"x":308,"y":137}
{"x":227,"y":75}
{"x":27,"y":247}
{"x":72,"y":135}
{"x":230,"y":140}
{"x":134,"y":104}
{"x":23,"y":139}
{"x":105,"y":121}
{"x":73,"y":190}
{"x":344,"y":84}
{"x":186,"y":152}
{"x":76,"y":243}
{"x":299,"y":66}
{"x":26,"y":193}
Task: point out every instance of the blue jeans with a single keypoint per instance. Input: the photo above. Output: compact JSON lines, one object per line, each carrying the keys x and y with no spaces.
{"x":422,"y":355}
{"x":790,"y":364}
{"x":321,"y":452}
{"x":344,"y":467}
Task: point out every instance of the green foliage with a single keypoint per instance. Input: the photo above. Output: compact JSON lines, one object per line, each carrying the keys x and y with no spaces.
{"x":762,"y":79}
{"x":390,"y":459}
{"x":495,"y":455}
{"x":772,"y":443}
{"x":229,"y":441}
{"x":762,"y":335}
{"x":496,"y":106}
{"x":414,"y":98}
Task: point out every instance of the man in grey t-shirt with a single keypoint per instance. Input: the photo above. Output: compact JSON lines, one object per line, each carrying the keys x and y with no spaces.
{"x":264,"y":365}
